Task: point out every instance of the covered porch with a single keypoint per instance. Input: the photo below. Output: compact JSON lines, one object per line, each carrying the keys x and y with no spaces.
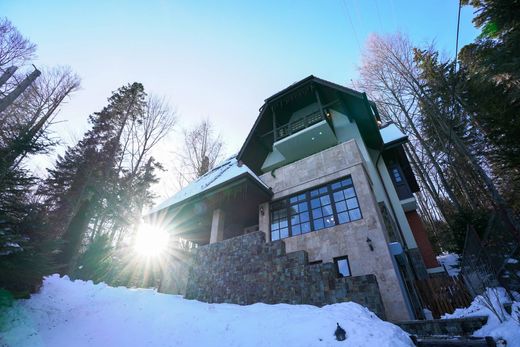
{"x":217,"y":211}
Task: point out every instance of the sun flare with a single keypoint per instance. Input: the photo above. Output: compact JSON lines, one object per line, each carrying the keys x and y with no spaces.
{"x":151,"y":241}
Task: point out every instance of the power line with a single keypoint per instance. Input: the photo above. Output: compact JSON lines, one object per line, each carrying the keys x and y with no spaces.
{"x":351,"y":24}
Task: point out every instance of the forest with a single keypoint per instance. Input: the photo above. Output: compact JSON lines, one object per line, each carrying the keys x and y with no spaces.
{"x":79,"y":218}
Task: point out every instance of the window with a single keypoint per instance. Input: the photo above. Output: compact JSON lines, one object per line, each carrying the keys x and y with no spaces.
{"x":345,"y":201}
{"x":342,"y":266}
{"x":279,"y":223}
{"x":397,"y":175}
{"x":299,"y":212}
{"x":322,"y":214}
{"x":318,"y":208}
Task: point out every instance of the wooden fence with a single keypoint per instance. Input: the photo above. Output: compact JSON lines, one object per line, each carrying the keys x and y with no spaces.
{"x":443,"y":294}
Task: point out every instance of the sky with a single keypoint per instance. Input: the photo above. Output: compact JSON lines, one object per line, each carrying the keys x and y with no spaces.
{"x":216,"y":59}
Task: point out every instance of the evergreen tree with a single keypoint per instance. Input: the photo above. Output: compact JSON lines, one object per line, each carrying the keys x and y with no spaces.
{"x":27,"y":104}
{"x":82,"y":178}
{"x":492,"y":93}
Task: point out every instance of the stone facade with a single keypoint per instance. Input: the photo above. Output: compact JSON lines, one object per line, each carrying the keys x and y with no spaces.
{"x":345,"y":239}
{"x":246,"y":269}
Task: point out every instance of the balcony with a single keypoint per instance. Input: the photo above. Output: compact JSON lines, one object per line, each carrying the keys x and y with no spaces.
{"x":298,"y":125}
{"x":304,"y":136}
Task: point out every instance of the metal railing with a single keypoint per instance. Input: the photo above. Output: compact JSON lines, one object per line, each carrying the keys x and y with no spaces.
{"x":298,"y":125}
{"x":487,"y":262}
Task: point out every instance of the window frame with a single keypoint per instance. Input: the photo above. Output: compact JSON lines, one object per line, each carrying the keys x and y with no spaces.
{"x":336,"y":264}
{"x":306,"y":197}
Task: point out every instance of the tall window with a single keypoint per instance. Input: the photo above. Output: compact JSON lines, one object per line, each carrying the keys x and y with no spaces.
{"x":317,"y":208}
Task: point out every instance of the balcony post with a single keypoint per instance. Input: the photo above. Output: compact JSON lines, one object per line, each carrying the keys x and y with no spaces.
{"x":275,"y":131}
{"x":217,"y":226}
{"x":319,"y":102}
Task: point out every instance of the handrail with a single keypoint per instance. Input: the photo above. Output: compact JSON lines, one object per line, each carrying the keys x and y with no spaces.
{"x":298,"y":125}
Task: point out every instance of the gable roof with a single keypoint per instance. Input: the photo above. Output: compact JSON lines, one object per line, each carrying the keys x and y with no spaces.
{"x":226,"y":172}
{"x":355,"y":104}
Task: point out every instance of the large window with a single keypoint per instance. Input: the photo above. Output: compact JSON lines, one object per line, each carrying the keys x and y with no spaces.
{"x":315,"y":209}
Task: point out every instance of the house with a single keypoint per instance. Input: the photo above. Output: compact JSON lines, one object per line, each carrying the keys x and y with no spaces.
{"x":330,"y":192}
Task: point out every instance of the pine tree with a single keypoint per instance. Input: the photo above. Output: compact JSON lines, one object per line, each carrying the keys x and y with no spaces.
{"x":81,"y":179}
{"x":27,"y":104}
{"x":492,"y":93}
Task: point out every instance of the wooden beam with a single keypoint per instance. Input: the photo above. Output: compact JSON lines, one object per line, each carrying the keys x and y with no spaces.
{"x":274,"y":124}
{"x":321,"y":110}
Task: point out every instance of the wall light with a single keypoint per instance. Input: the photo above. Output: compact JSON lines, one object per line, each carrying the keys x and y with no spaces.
{"x":370,"y":245}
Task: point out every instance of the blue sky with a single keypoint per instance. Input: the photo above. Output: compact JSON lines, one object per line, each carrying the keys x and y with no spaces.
{"x":217,"y":59}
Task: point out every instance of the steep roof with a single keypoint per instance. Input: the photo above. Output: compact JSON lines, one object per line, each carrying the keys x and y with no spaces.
{"x":225,"y":173}
{"x":351,"y":102}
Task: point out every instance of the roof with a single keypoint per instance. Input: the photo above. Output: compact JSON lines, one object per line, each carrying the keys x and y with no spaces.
{"x":356,"y":104}
{"x":392,"y":135}
{"x":226,"y":172}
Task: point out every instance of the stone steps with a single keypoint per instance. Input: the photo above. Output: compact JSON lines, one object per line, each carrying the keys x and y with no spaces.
{"x":443,"y":327}
{"x":454,"y":341}
{"x":447,"y":332}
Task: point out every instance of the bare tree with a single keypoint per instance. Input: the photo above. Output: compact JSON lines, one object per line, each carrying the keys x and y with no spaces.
{"x":202,"y":150}
{"x":15,"y":50}
{"x":25,"y":123}
{"x":387,"y":66}
{"x":144,"y":133}
{"x":391,"y":75}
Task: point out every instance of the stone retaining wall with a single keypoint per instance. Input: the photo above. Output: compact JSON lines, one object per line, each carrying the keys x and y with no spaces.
{"x":246,"y":269}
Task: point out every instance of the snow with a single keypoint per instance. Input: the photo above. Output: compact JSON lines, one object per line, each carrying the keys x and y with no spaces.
{"x":451,"y":262}
{"x":512,"y":261}
{"x":79,"y":313}
{"x":226,"y":171}
{"x":509,"y":329}
{"x":391,"y":133}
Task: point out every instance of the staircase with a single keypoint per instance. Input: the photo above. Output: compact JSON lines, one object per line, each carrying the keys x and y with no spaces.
{"x":447,"y":332}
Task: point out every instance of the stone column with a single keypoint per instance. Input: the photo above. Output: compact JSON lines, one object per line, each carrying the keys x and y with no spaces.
{"x":263,"y":220}
{"x":217,"y":226}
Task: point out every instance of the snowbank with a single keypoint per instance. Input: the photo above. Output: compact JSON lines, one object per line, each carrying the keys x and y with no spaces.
{"x":451,"y":262}
{"x":79,"y":313}
{"x":509,"y":329}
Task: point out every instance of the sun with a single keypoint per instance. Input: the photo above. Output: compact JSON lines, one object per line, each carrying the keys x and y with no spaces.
{"x":151,"y":241}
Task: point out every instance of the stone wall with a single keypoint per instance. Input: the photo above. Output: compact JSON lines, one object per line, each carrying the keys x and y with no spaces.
{"x":344,"y":239}
{"x":246,"y":270}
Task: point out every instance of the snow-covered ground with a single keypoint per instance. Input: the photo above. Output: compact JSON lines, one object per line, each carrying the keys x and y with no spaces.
{"x":67,"y":313}
{"x":451,"y":262}
{"x":508,"y":329}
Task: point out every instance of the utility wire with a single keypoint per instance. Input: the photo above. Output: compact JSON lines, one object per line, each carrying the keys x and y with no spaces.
{"x":352,"y":24}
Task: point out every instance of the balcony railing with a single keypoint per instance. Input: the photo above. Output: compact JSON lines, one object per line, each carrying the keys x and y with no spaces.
{"x":298,"y":125}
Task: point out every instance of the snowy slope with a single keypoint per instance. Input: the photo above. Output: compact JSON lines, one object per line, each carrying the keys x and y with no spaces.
{"x":78,"y":313}
{"x":508,"y":329}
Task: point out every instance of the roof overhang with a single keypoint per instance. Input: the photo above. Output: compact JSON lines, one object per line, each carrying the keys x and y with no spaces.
{"x":353,"y":103}
{"x":244,"y":178}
